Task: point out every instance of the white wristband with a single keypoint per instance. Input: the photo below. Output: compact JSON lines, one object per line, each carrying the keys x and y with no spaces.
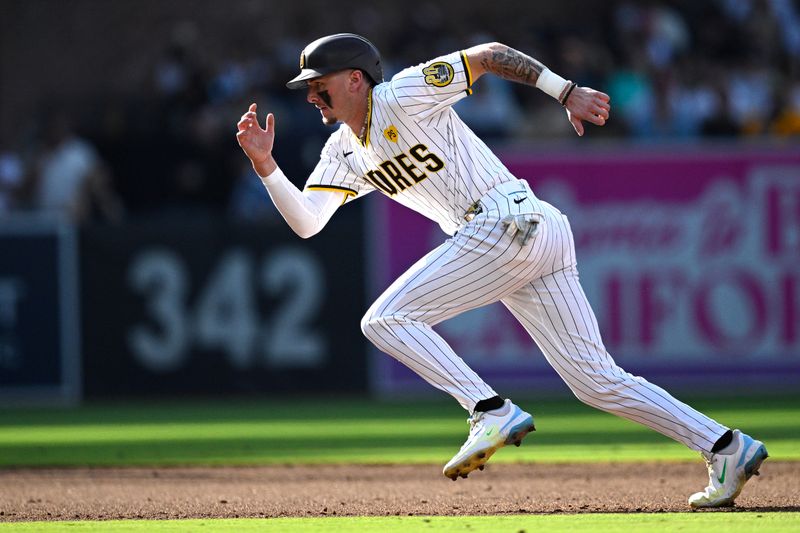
{"x":551,"y":83}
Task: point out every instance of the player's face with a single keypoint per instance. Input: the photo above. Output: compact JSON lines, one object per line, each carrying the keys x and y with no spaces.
{"x":329,"y":94}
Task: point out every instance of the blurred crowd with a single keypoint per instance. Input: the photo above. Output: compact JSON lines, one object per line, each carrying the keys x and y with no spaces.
{"x":675,"y":70}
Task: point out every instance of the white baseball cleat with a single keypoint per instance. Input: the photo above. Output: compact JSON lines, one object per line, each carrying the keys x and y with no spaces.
{"x":727,"y":473}
{"x":489,"y":431}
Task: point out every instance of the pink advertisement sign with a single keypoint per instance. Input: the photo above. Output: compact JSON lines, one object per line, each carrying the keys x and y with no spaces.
{"x":690,"y":258}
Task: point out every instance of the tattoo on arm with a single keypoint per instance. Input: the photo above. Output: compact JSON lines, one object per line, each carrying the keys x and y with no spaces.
{"x":512,"y":65}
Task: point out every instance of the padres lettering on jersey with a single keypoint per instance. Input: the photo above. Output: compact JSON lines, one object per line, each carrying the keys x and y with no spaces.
{"x":399,"y":173}
{"x":418,"y":151}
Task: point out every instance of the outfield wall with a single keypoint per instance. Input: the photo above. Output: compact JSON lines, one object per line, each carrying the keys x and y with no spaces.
{"x":691,"y":260}
{"x":179,"y":304}
{"x":199,"y":305}
{"x":39,"y":312}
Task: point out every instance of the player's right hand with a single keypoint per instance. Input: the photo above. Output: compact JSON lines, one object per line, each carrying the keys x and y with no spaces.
{"x":585,"y":103}
{"x":257,"y":141}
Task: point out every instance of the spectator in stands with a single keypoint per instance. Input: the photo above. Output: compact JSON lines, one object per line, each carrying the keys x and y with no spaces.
{"x":787,"y":119}
{"x":248,"y":201}
{"x":675,"y":70}
{"x":72,"y":181}
{"x":12,"y":174}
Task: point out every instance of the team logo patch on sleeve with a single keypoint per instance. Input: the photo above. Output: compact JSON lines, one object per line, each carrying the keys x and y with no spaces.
{"x":391,"y":133}
{"x":439,"y":74}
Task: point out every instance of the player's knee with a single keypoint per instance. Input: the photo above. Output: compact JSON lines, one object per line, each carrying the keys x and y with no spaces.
{"x":370,"y":326}
{"x":375,"y":325}
{"x":589,"y":397}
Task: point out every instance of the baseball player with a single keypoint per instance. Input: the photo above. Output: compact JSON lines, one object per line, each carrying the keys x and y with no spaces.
{"x":402,"y":138}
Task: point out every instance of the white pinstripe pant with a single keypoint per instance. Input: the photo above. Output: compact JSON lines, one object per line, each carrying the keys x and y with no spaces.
{"x":539,"y":284}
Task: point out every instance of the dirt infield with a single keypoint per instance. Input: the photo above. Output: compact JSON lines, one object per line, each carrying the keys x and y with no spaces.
{"x":69,"y":494}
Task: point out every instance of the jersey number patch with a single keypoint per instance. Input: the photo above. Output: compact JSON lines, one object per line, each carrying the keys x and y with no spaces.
{"x":391,"y":134}
{"x":439,"y":74}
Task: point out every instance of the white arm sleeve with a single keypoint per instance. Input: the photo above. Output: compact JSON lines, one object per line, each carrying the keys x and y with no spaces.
{"x":306,"y":212}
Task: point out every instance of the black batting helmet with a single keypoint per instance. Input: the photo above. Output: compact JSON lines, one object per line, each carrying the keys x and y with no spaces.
{"x":337,"y":52}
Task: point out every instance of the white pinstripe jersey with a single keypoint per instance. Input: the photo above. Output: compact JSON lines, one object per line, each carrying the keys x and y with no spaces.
{"x":417,"y":150}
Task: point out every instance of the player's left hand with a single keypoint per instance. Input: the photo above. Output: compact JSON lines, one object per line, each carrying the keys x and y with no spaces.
{"x":256,"y":141}
{"x":587,"y":104}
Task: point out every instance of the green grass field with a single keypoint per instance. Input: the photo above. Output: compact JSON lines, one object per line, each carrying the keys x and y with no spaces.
{"x":607,"y":523}
{"x":358,"y":431}
{"x":342,"y":431}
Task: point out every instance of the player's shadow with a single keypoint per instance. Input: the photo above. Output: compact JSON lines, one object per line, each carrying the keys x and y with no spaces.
{"x":772,"y":509}
{"x":761,"y":509}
